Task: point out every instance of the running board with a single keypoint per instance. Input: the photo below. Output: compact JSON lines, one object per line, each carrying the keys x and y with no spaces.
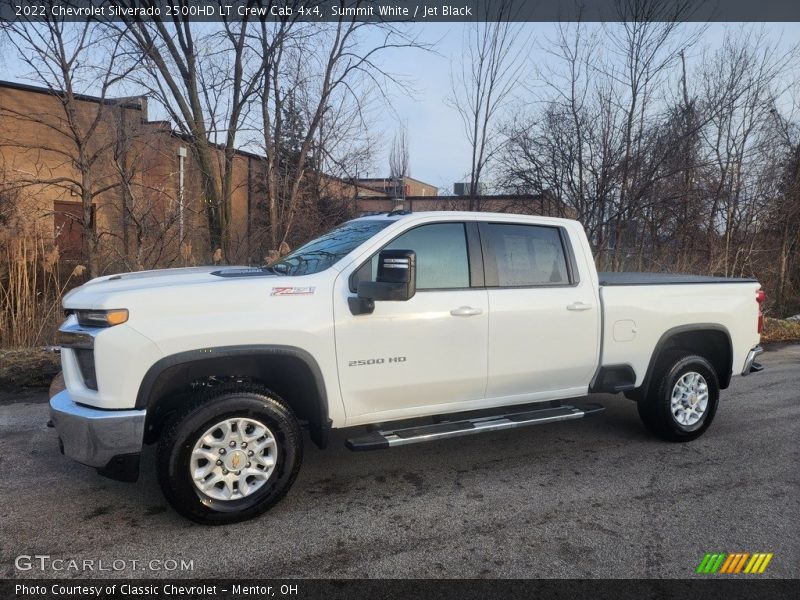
{"x":378,"y":440}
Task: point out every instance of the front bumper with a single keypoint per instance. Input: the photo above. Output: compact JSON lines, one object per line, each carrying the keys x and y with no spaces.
{"x":750,"y":364}
{"x":109,"y":440}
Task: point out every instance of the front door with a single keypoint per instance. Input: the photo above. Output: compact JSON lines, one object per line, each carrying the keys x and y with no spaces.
{"x":426,"y":355}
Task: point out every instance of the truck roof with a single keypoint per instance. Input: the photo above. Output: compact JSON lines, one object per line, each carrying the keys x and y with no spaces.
{"x":461,"y":214}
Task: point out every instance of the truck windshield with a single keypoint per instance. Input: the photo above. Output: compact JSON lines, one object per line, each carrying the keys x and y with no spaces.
{"x":320,"y":253}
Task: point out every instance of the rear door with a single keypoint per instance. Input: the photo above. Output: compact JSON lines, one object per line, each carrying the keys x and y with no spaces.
{"x":544,"y":319}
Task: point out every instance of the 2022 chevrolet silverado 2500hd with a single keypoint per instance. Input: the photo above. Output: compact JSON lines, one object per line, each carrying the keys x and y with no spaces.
{"x":387,"y":318}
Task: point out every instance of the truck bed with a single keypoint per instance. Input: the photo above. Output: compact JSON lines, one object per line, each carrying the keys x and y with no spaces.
{"x":610,"y":278}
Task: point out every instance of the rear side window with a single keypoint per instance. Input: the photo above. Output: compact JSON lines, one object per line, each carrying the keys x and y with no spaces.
{"x":442,"y":260}
{"x":527,"y":255}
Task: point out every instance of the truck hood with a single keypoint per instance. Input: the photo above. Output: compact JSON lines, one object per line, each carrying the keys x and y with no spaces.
{"x":95,"y":293}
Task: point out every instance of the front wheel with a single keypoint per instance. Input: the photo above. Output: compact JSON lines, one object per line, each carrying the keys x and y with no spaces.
{"x":682,"y":400}
{"x":230,"y":456}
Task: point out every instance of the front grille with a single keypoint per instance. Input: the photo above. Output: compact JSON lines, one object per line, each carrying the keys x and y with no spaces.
{"x":86,"y":364}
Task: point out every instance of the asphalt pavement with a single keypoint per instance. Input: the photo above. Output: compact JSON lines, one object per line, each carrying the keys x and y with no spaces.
{"x":596,"y":497}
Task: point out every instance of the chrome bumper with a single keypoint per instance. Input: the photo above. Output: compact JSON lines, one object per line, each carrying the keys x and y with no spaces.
{"x":93,"y":436}
{"x":750,"y":364}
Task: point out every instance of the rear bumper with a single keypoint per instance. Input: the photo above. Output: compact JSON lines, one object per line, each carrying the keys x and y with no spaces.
{"x":109,"y":440}
{"x":750,"y":364}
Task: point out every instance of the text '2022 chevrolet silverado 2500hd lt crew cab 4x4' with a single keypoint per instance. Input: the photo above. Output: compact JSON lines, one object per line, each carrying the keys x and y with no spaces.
{"x":400,"y":322}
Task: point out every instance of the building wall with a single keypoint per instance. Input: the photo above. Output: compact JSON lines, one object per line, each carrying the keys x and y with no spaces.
{"x":408,"y":187}
{"x":36,"y":157}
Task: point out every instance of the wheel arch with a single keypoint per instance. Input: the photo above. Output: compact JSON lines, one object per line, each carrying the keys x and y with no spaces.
{"x":288,"y":371}
{"x":709,"y":340}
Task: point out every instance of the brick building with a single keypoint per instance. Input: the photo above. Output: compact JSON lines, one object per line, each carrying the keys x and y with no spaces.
{"x":144,"y":186}
{"x":140,"y":177}
{"x":142,"y":180}
{"x":400,"y":187}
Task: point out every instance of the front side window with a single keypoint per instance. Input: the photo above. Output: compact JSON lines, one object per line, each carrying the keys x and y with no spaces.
{"x":527,"y":255}
{"x":322,"y":252}
{"x":442,"y":261}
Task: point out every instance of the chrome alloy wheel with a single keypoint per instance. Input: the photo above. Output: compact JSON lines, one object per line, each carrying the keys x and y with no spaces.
{"x":233,"y":459}
{"x":689,"y":398}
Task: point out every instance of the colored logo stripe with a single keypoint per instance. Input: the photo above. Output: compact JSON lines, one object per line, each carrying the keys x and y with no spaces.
{"x":737,"y":562}
{"x":728,"y":562}
{"x":710,"y":563}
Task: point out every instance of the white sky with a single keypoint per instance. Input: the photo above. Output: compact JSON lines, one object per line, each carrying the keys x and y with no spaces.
{"x":439,"y":153}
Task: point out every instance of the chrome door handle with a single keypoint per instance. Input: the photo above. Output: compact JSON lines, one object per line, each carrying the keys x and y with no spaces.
{"x":466,"y":311}
{"x":579,"y":306}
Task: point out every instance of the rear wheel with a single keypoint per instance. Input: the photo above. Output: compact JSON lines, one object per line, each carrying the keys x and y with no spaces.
{"x":230,"y":456}
{"x":683,"y":398}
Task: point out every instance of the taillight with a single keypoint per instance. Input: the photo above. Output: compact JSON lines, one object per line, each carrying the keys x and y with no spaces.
{"x":761,"y":295}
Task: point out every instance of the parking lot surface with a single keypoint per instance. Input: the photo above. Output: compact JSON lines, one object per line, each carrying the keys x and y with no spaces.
{"x":596,"y":497}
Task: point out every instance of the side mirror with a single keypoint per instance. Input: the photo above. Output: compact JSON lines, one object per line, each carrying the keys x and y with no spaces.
{"x":396,"y":281}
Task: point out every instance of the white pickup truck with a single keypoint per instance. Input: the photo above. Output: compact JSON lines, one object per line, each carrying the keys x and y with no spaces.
{"x":405,"y":328}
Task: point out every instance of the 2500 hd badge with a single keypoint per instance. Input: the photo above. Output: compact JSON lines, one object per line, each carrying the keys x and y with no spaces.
{"x":376,"y":361}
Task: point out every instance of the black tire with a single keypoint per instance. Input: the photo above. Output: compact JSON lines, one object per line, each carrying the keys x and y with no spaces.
{"x":180,"y":436}
{"x":655,"y":409}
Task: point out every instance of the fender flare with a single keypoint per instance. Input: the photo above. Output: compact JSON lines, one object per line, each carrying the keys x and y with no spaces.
{"x":724,"y":378}
{"x":157,"y":377}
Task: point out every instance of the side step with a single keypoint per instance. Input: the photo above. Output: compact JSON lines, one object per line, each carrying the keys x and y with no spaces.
{"x":378,"y":440}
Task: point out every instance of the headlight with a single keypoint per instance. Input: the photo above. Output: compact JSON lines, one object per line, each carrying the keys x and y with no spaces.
{"x":102,"y":318}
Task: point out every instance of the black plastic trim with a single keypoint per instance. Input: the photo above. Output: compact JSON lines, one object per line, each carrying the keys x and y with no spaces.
{"x":371,"y":441}
{"x":153,"y":378}
{"x":612,"y":379}
{"x":724,"y":378}
{"x":475,"y":253}
{"x":633,"y":278}
{"x":123,"y":467}
{"x":244,"y":272}
{"x":572,"y":263}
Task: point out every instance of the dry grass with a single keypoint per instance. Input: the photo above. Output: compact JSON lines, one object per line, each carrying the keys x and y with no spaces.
{"x":780,"y":330}
{"x":31,"y":287}
{"x":27,"y":368}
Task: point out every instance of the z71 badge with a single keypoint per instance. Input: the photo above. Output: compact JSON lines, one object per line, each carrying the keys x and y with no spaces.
{"x":376,"y":361}
{"x":292,"y":291}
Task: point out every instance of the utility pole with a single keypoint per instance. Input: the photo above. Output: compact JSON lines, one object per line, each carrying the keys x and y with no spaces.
{"x":181,"y":158}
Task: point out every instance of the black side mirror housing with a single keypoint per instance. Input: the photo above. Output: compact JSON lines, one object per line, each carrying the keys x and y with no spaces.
{"x":396,"y":281}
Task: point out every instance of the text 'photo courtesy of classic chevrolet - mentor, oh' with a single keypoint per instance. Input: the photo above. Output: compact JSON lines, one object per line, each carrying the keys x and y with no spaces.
{"x":401,"y":327}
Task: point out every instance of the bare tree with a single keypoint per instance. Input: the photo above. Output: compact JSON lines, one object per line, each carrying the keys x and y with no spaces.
{"x":785,"y":216}
{"x":205,"y":78}
{"x":150,"y":230}
{"x":315,"y":76}
{"x":399,"y":155}
{"x":488,"y":74}
{"x":62,"y":57}
{"x":688,"y":164}
{"x":646,"y":42}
